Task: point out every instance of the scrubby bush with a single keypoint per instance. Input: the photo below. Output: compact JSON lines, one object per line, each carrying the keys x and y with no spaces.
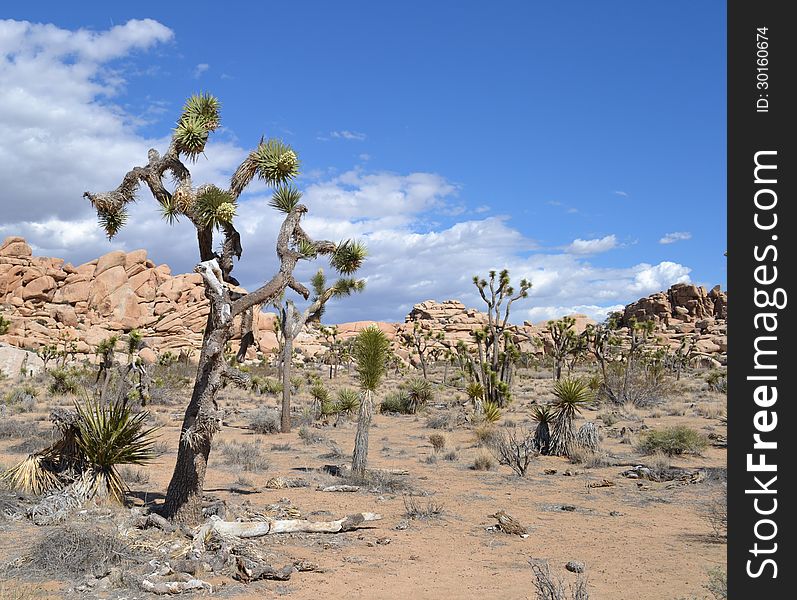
{"x":483,"y":463}
{"x":248,"y":456}
{"x":348,"y":401}
{"x":419,"y":394}
{"x":395,"y":402}
{"x":718,"y":381}
{"x":63,"y":381}
{"x":672,"y":441}
{"x":265,"y":421}
{"x":515,"y":448}
{"x":437,"y":441}
{"x":444,"y":420}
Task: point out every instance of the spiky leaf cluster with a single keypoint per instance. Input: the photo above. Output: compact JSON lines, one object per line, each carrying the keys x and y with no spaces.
{"x":200,"y":117}
{"x":112,"y":220}
{"x":571,"y":396}
{"x":214,"y":207}
{"x":348,"y":257}
{"x":285,"y":198}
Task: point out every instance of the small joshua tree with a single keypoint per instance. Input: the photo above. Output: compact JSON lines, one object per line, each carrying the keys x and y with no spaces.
{"x":370,"y":355}
{"x":564,"y":340}
{"x":421,"y":342}
{"x":212,"y":210}
{"x":493,"y":364}
{"x":349,"y":258}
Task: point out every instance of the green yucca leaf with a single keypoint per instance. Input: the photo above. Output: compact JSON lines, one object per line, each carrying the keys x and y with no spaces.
{"x":348,"y":257}
{"x":492,"y":413}
{"x":285,"y":198}
{"x":112,"y":221}
{"x":170,"y":212}
{"x":348,"y":401}
{"x":275,"y":162}
{"x":571,"y":396}
{"x":319,"y":283}
{"x":474,"y":390}
{"x":542,"y":414}
{"x":348,"y":286}
{"x":307,"y":249}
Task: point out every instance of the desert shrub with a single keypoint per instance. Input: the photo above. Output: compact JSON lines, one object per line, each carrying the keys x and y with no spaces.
{"x":21,"y":399}
{"x":265,"y":421}
{"x":248,"y":456}
{"x":131,"y":475}
{"x":348,"y":401}
{"x":310,"y":436}
{"x":587,"y":437}
{"x":14,"y":429}
{"x":4,"y":325}
{"x":675,"y":440}
{"x":492,"y":412}
{"x":444,"y":420}
{"x":72,"y":551}
{"x":319,"y":393}
{"x":437,"y":441}
{"x":549,"y":587}
{"x":608,"y":418}
{"x":474,"y":390}
{"x":544,"y":416}
{"x":414,"y":510}
{"x":63,"y":381}
{"x":296,"y":383}
{"x":589,"y":458}
{"x":485,"y":434}
{"x":269,"y":385}
{"x":395,"y":402}
{"x":659,"y":463}
{"x":571,"y":396}
{"x":514,"y":448}
{"x":717,"y":381}
{"x":717,"y":583}
{"x":482,"y":462}
{"x":419,"y":393}
{"x":451,"y":456}
{"x":716,"y":513}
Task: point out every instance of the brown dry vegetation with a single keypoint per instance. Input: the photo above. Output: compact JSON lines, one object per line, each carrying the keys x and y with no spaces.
{"x":639,"y":538}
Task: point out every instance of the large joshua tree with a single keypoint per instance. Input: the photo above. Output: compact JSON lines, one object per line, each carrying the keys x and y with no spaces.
{"x":292,"y":321}
{"x":212,"y":210}
{"x":496,"y":354}
{"x":371,"y":349}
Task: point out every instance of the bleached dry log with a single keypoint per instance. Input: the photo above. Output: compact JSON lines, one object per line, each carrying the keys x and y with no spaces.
{"x":173,"y":584}
{"x":249,"y":529}
{"x":339,"y":488}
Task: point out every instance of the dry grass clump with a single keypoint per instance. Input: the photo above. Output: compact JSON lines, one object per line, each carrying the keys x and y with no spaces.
{"x":482,"y":462}
{"x":248,"y":456}
{"x":14,"y":429}
{"x":485,"y":435}
{"x":414,"y":510}
{"x":445,"y":420}
{"x":70,"y":551}
{"x":589,"y":458}
{"x":549,"y":587}
{"x":310,"y":436}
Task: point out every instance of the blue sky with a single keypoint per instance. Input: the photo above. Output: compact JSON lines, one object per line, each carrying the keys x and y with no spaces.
{"x":565,"y":140}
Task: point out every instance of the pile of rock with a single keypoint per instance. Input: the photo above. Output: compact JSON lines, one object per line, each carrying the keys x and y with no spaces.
{"x":48,"y":301}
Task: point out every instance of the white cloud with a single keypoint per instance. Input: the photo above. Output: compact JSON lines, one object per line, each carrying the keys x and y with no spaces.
{"x":675,"y":236}
{"x":344,"y":134}
{"x":620,"y":193}
{"x":200,"y":70}
{"x":593,"y":246}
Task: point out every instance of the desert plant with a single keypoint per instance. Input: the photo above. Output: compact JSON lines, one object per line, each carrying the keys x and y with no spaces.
{"x":414,"y":510}
{"x":5,"y":325}
{"x":491,"y":412}
{"x":248,"y":456}
{"x":672,"y":441}
{"x":493,"y":364}
{"x":514,"y":448}
{"x":544,"y":416}
{"x":419,"y":394}
{"x":437,"y":441}
{"x":475,"y":392}
{"x":420,"y":341}
{"x":571,"y":396}
{"x":347,"y":402}
{"x":395,"y":402}
{"x":63,"y":382}
{"x":110,"y":435}
{"x":310,"y":436}
{"x":265,"y":421}
{"x":549,"y":587}
{"x":370,"y":354}
{"x":587,"y":437}
{"x":482,"y":462}
{"x":717,"y":381}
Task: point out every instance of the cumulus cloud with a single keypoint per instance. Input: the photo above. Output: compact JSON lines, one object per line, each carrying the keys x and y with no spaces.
{"x":200,"y":70}
{"x":675,"y":236}
{"x":593,"y":246}
{"x":62,"y":134}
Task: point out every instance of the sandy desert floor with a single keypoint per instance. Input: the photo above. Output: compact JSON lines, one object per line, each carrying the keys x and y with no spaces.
{"x":639,"y":539}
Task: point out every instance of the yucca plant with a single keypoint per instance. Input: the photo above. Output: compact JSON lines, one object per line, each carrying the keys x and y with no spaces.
{"x":110,"y":435}
{"x":571,"y":396}
{"x":371,"y":348}
{"x":419,"y":394}
{"x":544,"y":416}
{"x":491,"y":412}
{"x":348,"y":401}
{"x":475,"y":391}
{"x":34,"y":475}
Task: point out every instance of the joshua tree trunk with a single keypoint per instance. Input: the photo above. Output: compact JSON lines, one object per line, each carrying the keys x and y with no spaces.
{"x":359,"y":459}
{"x":287,"y":356}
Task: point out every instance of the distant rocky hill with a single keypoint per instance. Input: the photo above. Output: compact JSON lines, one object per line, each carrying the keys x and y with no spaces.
{"x":48,"y":301}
